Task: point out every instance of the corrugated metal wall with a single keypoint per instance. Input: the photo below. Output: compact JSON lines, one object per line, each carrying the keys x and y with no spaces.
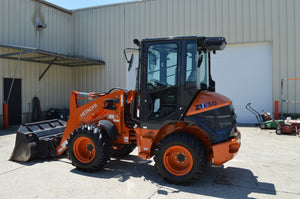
{"x":17,"y":23}
{"x":104,"y":32}
{"x":53,"y":90}
{"x":17,"y":27}
{"x":99,"y":34}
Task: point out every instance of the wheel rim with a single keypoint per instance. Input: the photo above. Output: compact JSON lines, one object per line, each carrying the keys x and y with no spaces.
{"x":84,"y":149}
{"x":178,"y":160}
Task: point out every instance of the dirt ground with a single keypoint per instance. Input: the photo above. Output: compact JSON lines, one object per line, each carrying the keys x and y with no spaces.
{"x":267,"y":166}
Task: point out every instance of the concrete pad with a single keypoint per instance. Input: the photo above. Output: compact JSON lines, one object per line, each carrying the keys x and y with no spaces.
{"x":267,"y":166}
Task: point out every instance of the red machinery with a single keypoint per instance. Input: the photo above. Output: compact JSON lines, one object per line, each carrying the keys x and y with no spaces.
{"x":289,"y":126}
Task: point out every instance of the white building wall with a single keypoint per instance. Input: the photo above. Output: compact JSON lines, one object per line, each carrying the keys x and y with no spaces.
{"x":98,"y":33}
{"x":53,"y":90}
{"x":17,"y":24}
{"x":17,"y":27}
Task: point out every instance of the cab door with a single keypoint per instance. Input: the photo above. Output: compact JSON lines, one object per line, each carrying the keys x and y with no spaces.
{"x":189,"y":73}
{"x":160,"y":83}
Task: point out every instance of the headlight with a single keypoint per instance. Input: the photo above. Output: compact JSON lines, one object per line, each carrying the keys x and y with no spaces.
{"x":234,"y":132}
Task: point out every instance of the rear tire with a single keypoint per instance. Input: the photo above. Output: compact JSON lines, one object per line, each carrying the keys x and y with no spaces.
{"x":89,"y":148}
{"x":180,"y":158}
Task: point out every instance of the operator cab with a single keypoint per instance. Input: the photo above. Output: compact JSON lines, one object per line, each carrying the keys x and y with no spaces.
{"x":171,"y":72}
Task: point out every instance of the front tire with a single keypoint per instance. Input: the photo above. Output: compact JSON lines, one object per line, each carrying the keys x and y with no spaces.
{"x":89,"y":148}
{"x":180,"y":158}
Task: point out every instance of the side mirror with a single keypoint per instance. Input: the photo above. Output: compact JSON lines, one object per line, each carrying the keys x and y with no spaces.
{"x":129,"y":51}
{"x":136,"y":42}
{"x":130,"y":62}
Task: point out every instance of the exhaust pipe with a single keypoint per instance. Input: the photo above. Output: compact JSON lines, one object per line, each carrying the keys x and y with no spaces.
{"x":37,"y":140}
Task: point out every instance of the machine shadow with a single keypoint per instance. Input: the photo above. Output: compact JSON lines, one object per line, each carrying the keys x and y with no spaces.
{"x":220,"y":182}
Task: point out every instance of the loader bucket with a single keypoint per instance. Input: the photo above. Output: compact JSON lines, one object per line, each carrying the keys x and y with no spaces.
{"x":37,"y":140}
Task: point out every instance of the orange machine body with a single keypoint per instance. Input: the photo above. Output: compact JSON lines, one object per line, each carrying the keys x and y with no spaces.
{"x":93,"y":112}
{"x":206,"y":101}
{"x":146,"y":139}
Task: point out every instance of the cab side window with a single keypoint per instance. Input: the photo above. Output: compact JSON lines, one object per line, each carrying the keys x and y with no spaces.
{"x":191,"y":74}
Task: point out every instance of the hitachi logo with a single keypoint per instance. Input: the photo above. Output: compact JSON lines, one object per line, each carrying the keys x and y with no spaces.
{"x":88,"y":110}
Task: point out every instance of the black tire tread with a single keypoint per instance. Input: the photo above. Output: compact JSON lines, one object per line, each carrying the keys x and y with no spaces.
{"x":195,"y":147}
{"x":102,"y":145}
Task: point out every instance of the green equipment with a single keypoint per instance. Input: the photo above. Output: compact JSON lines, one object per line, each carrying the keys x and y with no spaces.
{"x":264,"y":120}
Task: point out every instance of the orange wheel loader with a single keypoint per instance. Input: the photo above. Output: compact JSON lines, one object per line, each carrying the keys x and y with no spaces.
{"x":173,"y":115}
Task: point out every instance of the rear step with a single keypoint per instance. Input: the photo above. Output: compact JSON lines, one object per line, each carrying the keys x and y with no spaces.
{"x":37,"y":140}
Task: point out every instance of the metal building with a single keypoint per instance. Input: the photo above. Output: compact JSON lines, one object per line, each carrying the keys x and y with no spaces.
{"x":261,"y":34}
{"x":36,"y":53}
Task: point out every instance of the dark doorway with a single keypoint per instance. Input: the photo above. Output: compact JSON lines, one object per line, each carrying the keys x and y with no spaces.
{"x":14,"y":103}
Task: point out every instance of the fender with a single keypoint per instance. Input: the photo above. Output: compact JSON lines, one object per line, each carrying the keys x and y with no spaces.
{"x":214,"y":114}
{"x":110,"y":128}
{"x":217,"y":127}
{"x":202,"y":124}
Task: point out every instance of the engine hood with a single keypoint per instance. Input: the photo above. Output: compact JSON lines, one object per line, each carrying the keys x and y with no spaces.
{"x":206,"y":101}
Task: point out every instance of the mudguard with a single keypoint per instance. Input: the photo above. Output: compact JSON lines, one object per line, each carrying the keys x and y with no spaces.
{"x":110,"y":128}
{"x":214,"y":114}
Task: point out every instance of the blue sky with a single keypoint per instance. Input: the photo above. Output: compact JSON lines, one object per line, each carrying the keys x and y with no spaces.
{"x":76,"y":4}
